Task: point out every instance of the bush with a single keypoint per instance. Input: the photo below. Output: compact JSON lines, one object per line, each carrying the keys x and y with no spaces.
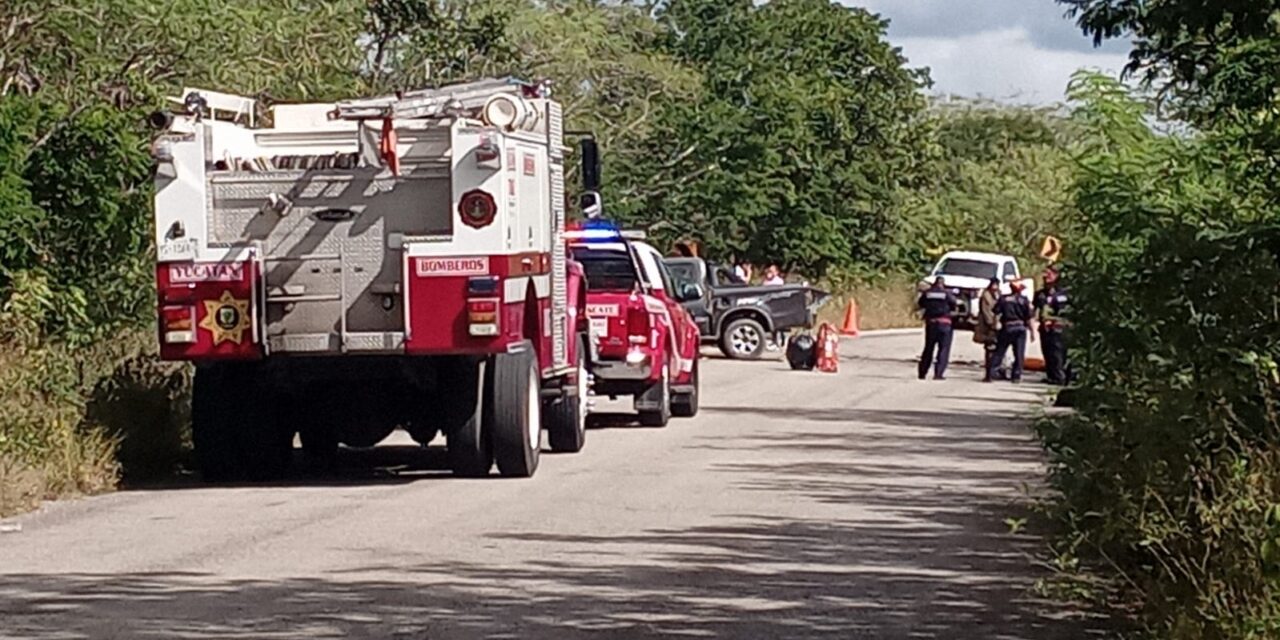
{"x":145,"y":405}
{"x":1169,"y":471}
{"x":73,"y":421}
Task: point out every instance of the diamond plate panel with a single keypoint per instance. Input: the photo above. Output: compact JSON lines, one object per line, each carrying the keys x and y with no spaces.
{"x":344,"y":256}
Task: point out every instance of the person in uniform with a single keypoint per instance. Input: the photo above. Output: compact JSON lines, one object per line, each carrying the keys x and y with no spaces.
{"x":1050,"y":304}
{"x":1013,"y":310}
{"x":937,"y":304}
{"x":987,"y":327}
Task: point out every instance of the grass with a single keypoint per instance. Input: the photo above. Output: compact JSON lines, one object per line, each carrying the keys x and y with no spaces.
{"x":74,"y":421}
{"x":887,"y":304}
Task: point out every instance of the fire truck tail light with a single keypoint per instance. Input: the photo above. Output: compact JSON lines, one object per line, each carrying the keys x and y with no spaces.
{"x":482,"y":317}
{"x":178,"y":323}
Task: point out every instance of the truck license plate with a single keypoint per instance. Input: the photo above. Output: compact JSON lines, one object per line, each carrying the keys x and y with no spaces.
{"x":600,"y":326}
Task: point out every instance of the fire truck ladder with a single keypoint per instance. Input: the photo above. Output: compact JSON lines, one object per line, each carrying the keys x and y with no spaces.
{"x":431,"y":103}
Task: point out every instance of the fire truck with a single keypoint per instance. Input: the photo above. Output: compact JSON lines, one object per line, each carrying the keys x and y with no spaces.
{"x":348,"y":269}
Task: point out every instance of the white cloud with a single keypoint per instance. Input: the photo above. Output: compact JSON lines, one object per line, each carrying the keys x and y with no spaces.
{"x":1003,"y":64}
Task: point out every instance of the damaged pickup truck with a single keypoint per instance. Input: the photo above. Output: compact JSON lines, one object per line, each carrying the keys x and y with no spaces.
{"x":738,"y":317}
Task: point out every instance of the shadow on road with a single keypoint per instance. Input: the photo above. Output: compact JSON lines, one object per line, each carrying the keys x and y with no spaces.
{"x":920,"y":553}
{"x":756,"y":578}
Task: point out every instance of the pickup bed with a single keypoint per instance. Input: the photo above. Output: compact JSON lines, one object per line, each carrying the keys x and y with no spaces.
{"x":737,"y":316}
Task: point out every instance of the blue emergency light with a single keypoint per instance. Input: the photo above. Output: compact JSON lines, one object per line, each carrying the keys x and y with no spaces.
{"x":602,"y":231}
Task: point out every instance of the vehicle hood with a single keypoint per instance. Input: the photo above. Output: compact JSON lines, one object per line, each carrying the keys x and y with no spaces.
{"x":960,"y":282}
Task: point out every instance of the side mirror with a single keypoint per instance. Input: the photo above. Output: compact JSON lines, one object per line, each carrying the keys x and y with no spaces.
{"x":590,"y":150}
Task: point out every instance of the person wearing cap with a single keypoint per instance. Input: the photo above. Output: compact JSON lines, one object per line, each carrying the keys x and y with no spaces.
{"x":1013,"y":310}
{"x":1051,"y":302}
{"x":937,"y":305}
{"x":987,"y":327}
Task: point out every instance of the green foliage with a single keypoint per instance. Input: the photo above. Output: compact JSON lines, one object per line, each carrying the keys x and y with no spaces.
{"x":1171,"y":465}
{"x":794,"y":151}
{"x":1000,"y":180}
{"x":1216,"y":59}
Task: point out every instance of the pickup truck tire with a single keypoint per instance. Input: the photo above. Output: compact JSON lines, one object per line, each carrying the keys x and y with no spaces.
{"x":566,"y":415}
{"x":685,"y":403}
{"x":513,"y":395}
{"x":658,"y":397}
{"x":743,"y":339}
{"x":237,"y":435}
{"x":468,"y":448}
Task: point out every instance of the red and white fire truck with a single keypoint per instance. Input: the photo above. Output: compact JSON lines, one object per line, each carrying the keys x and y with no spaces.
{"x":646,"y":341}
{"x":367,"y":265}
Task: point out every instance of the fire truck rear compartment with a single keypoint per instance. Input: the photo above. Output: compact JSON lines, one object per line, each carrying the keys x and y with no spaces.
{"x":332,"y":262}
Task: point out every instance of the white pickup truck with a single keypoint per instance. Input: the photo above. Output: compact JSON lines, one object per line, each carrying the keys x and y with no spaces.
{"x":967,"y":273}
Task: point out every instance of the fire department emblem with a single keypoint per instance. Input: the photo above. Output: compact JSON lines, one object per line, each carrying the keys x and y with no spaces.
{"x":227,"y":318}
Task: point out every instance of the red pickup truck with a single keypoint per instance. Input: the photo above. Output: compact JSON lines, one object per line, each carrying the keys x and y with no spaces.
{"x":646,"y":343}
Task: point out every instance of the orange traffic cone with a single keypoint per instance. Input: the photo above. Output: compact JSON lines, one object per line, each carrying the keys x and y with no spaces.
{"x":828,"y":349}
{"x":850,"y":327}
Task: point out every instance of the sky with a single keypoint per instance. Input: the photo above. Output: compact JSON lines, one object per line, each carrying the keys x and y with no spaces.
{"x":1020,"y":51}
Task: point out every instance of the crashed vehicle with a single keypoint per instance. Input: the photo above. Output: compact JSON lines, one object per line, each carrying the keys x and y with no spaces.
{"x":967,"y":273}
{"x":738,"y":317}
{"x":646,"y":343}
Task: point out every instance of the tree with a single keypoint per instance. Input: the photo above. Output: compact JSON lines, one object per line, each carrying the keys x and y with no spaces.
{"x":807,"y":125}
{"x":1217,"y":59}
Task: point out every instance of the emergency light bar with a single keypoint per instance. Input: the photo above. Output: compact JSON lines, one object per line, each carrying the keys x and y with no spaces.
{"x":603,"y":235}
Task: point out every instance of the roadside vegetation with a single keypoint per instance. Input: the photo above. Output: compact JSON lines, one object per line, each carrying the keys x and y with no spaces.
{"x":1168,"y":473}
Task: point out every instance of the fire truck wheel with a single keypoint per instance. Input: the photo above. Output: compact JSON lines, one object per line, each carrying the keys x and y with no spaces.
{"x":469,"y":447}
{"x":514,"y":416}
{"x":743,"y":339}
{"x":566,"y":416}
{"x":685,"y":403}
{"x":657,"y":401}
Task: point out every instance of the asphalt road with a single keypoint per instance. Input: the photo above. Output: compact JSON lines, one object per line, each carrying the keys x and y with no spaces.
{"x":866,"y":504}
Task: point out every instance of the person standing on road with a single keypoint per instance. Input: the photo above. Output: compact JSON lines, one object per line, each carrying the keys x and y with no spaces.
{"x":1013,"y":310}
{"x":937,"y":305}
{"x":987,"y":328}
{"x":1050,"y":304}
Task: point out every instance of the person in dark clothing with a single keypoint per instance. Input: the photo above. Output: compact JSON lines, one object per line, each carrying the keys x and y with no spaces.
{"x":1050,"y":304}
{"x":1014,"y":312}
{"x":937,"y":304}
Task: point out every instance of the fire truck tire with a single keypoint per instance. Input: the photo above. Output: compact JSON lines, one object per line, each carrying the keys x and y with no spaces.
{"x":460,"y":408}
{"x":566,"y":416}
{"x":685,"y":404}
{"x":658,"y":398}
{"x":514,"y":416}
{"x":743,"y":339}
